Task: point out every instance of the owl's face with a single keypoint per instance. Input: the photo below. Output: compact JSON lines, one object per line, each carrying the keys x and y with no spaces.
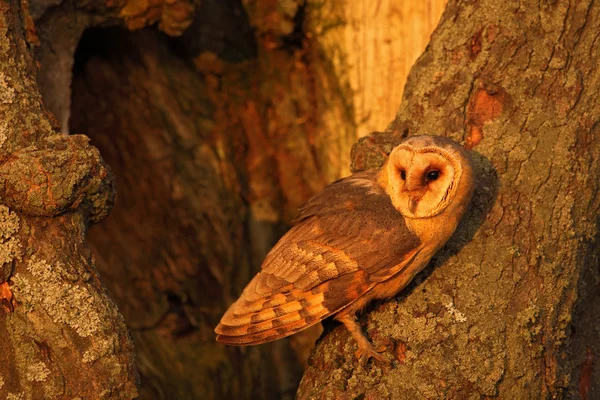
{"x":425,"y":173}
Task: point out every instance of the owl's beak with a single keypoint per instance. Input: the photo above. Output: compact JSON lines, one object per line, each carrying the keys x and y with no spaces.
{"x":414,"y":196}
{"x":412,"y":205}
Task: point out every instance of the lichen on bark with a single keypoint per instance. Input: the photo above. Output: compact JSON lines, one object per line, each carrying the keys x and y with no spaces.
{"x":10,"y":245}
{"x":52,"y":304}
{"x":53,"y":291}
{"x":57,"y":174}
{"x":62,"y":317}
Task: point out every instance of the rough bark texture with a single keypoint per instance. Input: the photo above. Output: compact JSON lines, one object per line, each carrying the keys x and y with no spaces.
{"x":513,"y":311}
{"x":62,"y":337}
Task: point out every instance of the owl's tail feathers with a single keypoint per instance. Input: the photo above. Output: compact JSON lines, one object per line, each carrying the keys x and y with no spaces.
{"x":277,"y":317}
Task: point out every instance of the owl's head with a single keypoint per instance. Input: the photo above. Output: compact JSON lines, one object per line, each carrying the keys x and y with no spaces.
{"x":427,"y":175}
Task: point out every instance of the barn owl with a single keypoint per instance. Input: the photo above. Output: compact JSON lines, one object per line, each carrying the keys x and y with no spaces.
{"x":363,"y":237}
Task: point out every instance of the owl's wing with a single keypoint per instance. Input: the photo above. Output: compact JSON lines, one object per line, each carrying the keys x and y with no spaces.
{"x":346,"y":239}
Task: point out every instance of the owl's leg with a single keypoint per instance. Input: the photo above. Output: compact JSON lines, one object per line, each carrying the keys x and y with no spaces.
{"x":365,"y":348}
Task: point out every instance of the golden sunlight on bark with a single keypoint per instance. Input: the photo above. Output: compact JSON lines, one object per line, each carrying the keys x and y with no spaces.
{"x":376,"y":42}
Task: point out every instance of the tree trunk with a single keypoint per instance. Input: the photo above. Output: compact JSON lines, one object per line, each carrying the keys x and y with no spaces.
{"x":509,"y":308}
{"x":62,"y":336}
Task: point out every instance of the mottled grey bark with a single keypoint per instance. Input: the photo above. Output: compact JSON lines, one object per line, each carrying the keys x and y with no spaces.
{"x":509,"y":308}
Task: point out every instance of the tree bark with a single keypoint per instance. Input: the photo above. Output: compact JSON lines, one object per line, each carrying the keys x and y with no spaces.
{"x":62,"y":335}
{"x":509,"y":308}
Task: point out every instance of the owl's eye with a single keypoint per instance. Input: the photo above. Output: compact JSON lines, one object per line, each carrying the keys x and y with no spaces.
{"x":403,"y":174}
{"x":433,"y":175}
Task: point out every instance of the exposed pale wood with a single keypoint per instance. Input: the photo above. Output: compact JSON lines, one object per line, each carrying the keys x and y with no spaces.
{"x":373,"y":45}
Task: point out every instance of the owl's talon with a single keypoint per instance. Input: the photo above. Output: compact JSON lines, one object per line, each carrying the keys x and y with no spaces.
{"x":365,"y":348}
{"x":364,"y":353}
{"x":381,"y":348}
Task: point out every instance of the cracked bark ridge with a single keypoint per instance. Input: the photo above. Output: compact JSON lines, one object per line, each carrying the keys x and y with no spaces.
{"x":58,"y":174}
{"x":513,"y":313}
{"x":173,"y":17}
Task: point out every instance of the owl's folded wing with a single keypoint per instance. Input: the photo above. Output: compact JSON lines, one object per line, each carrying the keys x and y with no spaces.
{"x":347,"y":240}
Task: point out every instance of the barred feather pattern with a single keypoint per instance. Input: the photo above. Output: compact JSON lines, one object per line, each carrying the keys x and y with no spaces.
{"x":346,"y":240}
